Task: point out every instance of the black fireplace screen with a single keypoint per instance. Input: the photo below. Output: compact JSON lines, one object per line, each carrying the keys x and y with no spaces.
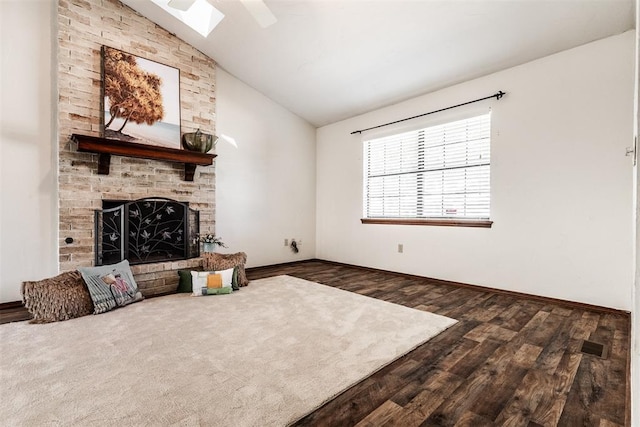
{"x":145,"y":231}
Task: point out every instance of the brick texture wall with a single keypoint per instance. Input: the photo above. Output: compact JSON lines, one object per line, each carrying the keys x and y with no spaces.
{"x":83,"y":27}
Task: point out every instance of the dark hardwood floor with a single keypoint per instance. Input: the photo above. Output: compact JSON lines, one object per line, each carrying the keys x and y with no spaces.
{"x":13,"y":312}
{"x":510,"y":360}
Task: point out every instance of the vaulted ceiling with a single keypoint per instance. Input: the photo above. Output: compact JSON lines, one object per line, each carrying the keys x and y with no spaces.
{"x":328,"y":60}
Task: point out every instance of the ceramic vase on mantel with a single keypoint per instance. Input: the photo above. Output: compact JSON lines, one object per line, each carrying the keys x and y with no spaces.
{"x":209,"y":247}
{"x":198,"y":141}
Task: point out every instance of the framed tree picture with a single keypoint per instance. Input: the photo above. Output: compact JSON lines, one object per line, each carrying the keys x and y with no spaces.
{"x":140,"y":100}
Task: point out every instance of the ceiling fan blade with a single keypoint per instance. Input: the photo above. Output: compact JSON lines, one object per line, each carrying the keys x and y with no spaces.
{"x":182,"y":5}
{"x":261,"y":13}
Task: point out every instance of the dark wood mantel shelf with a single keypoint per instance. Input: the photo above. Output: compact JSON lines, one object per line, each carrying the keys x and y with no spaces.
{"x":105,"y":147}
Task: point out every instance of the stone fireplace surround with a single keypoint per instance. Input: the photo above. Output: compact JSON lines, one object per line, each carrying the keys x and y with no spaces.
{"x":83,"y":27}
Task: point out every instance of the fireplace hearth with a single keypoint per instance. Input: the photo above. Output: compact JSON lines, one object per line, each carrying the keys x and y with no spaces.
{"x":145,"y":231}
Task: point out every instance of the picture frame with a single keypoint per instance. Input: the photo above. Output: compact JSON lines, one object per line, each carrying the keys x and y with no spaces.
{"x":140,"y":100}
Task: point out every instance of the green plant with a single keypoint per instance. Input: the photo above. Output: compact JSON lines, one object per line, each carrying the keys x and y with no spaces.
{"x":211,"y":238}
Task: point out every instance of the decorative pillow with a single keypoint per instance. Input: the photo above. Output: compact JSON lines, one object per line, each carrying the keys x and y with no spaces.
{"x":200,"y":280}
{"x":184,"y":285}
{"x":62,"y":297}
{"x":216,"y":261}
{"x":111,"y":286}
{"x":234,"y":281}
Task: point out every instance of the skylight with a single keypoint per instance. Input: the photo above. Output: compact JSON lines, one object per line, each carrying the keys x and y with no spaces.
{"x":200,"y":16}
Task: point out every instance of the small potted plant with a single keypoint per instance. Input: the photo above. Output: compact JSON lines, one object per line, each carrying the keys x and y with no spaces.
{"x":210,"y":241}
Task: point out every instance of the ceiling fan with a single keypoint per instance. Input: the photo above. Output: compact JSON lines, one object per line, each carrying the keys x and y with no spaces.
{"x":257,"y":8}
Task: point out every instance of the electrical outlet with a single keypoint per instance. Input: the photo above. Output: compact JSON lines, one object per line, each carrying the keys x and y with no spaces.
{"x":286,"y":242}
{"x":400,"y":248}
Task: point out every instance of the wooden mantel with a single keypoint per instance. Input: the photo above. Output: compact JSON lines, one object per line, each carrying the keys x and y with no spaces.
{"x":105,"y":147}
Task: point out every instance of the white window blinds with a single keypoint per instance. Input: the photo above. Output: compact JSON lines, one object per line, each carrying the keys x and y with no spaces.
{"x":441,"y":171}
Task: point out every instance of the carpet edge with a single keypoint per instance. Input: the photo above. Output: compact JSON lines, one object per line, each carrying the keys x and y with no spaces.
{"x":381,"y":301}
{"x":384,"y":365}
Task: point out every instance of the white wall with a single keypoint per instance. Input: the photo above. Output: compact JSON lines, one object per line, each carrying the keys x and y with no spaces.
{"x":265,"y":188}
{"x":28,"y":202}
{"x":561,"y":184}
{"x":635,"y":315}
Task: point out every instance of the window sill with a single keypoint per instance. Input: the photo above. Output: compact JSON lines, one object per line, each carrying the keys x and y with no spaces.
{"x":445,"y":222}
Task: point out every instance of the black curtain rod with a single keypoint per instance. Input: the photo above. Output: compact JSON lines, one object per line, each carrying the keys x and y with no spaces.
{"x":497,"y":96}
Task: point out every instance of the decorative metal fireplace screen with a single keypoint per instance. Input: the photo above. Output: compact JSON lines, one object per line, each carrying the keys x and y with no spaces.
{"x":145,"y":231}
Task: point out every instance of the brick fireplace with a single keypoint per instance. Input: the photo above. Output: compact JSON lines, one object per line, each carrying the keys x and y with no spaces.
{"x":83,"y":27}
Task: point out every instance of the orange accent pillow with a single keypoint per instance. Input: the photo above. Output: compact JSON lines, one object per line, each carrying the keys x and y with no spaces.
{"x":214,"y":281}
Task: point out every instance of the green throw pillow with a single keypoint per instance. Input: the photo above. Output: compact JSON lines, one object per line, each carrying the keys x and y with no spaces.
{"x":185,"y":285}
{"x":234,"y":281}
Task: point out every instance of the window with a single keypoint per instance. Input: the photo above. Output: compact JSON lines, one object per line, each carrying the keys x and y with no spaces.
{"x":439,"y":172}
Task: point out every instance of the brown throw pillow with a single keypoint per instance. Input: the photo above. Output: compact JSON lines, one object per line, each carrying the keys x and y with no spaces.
{"x":62,"y":297}
{"x":213,"y":261}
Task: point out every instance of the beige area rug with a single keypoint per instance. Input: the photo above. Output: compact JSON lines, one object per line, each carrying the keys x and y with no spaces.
{"x":264,"y":356}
